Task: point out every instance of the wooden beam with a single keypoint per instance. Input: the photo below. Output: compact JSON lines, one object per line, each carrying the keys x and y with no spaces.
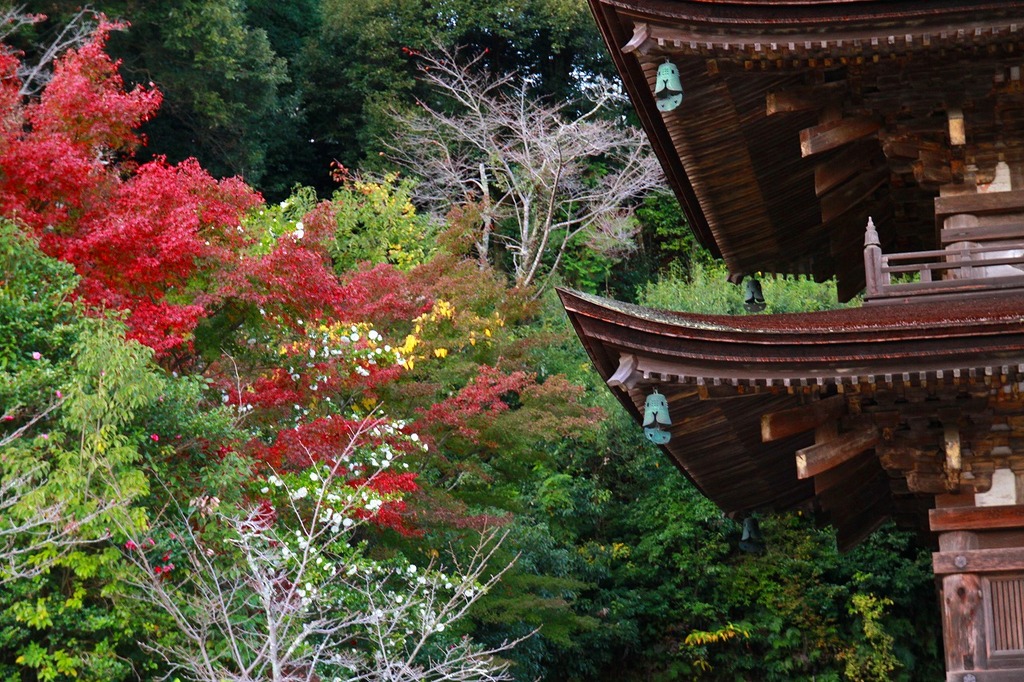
{"x":976,"y":518}
{"x":957,"y":129}
{"x":979,"y":204}
{"x":926,"y":482}
{"x":852,"y":193}
{"x":845,"y":165}
{"x":1011,"y":675}
{"x":978,"y":561}
{"x":790,"y":422}
{"x":981,"y":233}
{"x":901,"y":458}
{"x":951,"y":444}
{"x":803,"y":99}
{"x":823,"y":456}
{"x":821,"y":138}
{"x":908,"y":147}
{"x":933,"y":168}
{"x":624,"y":374}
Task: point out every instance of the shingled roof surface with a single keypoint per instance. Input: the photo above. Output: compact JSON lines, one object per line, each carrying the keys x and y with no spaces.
{"x":845,"y":345}
{"x":949,"y":316}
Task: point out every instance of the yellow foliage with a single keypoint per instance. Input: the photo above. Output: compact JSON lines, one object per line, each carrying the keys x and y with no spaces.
{"x":723,"y":634}
{"x":620,"y":550}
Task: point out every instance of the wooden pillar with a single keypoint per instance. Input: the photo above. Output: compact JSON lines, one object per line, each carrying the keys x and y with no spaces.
{"x":963,"y":631}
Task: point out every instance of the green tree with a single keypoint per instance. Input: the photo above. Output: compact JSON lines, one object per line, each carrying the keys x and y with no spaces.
{"x":705,"y":288}
{"x":71,"y":388}
{"x":222,"y":81}
{"x":364,"y":59}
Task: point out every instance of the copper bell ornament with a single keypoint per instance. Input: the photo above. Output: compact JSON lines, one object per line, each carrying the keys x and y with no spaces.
{"x":668,"y":89}
{"x":656,"y":416}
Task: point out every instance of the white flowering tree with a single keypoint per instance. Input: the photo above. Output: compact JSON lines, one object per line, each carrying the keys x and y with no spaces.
{"x":283,"y":591}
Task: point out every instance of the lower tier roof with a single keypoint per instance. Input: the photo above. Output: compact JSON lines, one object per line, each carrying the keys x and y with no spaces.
{"x":898,"y":371}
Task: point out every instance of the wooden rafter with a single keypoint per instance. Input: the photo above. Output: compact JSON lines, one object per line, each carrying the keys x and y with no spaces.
{"x":833,"y":134}
{"x":802,"y":99}
{"x":851,"y":194}
{"x":846,"y":164}
{"x":793,"y":421}
{"x":833,"y":451}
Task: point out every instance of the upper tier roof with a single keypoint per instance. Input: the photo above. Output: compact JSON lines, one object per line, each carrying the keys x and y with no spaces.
{"x":801,"y":119}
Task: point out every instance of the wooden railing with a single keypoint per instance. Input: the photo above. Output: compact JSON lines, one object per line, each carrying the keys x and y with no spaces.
{"x":976,"y":256}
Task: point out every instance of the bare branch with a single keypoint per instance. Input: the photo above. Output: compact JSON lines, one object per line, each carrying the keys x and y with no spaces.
{"x":36,"y":73}
{"x":36,"y":531}
{"x":553,"y":174}
{"x":20,"y":431}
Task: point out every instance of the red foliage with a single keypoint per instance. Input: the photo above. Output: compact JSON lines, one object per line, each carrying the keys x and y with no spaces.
{"x":10,"y":97}
{"x":56,"y":151}
{"x":162,"y":242}
{"x":86,"y":100}
{"x":157,"y":229}
{"x":392,"y":515}
{"x":386,"y":295}
{"x":292,"y":281}
{"x":275,"y":389}
{"x":476,"y":406}
{"x":331,"y":439}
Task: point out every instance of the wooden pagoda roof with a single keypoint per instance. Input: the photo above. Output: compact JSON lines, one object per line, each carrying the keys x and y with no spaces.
{"x":800,"y":119}
{"x":748,"y":393}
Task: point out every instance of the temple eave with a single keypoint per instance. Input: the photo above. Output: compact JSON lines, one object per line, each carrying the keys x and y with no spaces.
{"x":866,"y":419}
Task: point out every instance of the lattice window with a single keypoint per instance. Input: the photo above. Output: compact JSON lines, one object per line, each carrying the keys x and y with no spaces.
{"x":1007,"y":603}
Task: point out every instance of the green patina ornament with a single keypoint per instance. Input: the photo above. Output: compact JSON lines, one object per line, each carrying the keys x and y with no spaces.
{"x":656,"y":410}
{"x":668,"y":88}
{"x":657,"y":436}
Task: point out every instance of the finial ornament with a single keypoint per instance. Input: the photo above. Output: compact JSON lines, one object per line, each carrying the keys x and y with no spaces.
{"x":871,"y":234}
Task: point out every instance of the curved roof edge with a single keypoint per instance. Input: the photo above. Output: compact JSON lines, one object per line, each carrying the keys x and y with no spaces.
{"x":931,"y":340}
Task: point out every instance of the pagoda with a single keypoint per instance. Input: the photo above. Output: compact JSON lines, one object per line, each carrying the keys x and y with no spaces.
{"x":880,"y":143}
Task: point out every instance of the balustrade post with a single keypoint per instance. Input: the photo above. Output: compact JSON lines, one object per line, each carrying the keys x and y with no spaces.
{"x":872,"y":262}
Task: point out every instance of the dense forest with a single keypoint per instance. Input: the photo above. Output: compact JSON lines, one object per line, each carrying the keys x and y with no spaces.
{"x":285,"y":393}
